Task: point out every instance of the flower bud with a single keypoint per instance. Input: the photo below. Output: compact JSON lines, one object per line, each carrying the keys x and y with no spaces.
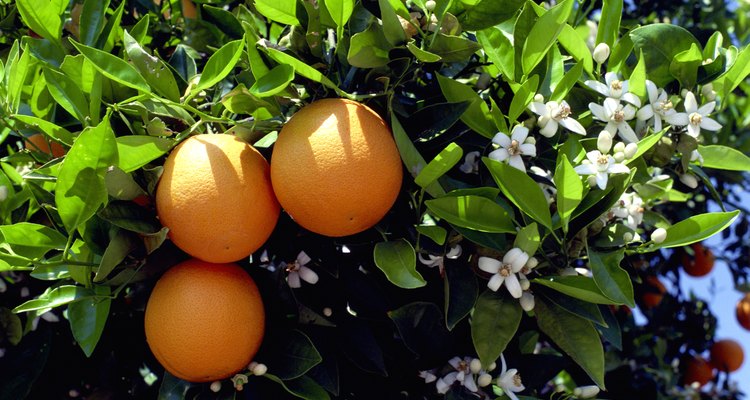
{"x":430,"y":5}
{"x":483,"y":82}
{"x":627,"y":237}
{"x":327,"y":311}
{"x":492,"y":366}
{"x":454,"y":252}
{"x":239,"y":381}
{"x":524,"y":282}
{"x":484,"y":380}
{"x":591,"y":180}
{"x":3,"y":192}
{"x":659,"y":235}
{"x":215,"y":386}
{"x":689,"y":180}
{"x":696,"y":156}
{"x":630,"y":150}
{"x":259,"y":369}
{"x":532,"y":263}
{"x":475,"y":366}
{"x":527,"y":301}
{"x":601,"y":53}
{"x":684,"y":93}
{"x":538,"y":98}
{"x":586,"y":392}
{"x":530,"y":140}
{"x":619,"y":156}
{"x":619,"y":147}
{"x":604,"y":142}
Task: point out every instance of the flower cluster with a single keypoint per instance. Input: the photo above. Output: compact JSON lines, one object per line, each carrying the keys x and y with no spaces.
{"x":468,"y":373}
{"x":512,"y":270}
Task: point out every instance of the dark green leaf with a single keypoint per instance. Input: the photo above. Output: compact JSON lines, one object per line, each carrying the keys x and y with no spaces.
{"x":87,"y":318}
{"x":486,"y":13}
{"x":659,"y":44}
{"x":493,"y":324}
{"x":154,"y":70}
{"x":544,"y":34}
{"x":301,"y":68}
{"x":420,"y":325}
{"x":461,"y":288}
{"x":609,"y":23}
{"x":684,"y":65}
{"x":453,"y":48}
{"x":224,"y":20}
{"x":11,"y":327}
{"x":521,"y":190}
{"x":392,"y":29}
{"x":442,"y":163}
{"x":398,"y":261}
{"x":584,"y":309}
{"x":441,"y":117}
{"x":476,"y":116}
{"x":67,"y":94}
{"x":93,"y":19}
{"x":613,"y":281}
{"x":130,"y":216}
{"x":120,"y":245}
{"x":302,"y":387}
{"x":173,"y":388}
{"x":434,"y":232}
{"x":473,"y":212}
{"x":274,"y":82}
{"x":410,"y":155}
{"x":580,"y":287}
{"x":293,"y":354}
{"x":612,"y":332}
{"x":369,"y":48}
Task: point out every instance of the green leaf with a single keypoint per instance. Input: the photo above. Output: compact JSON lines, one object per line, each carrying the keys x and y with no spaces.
{"x":340,"y":10}
{"x":120,"y":245}
{"x":613,"y":281}
{"x":140,"y":29}
{"x":499,"y":49}
{"x":113,"y":67}
{"x":293,"y":354}
{"x":31,"y":240}
{"x":410,"y":155}
{"x":584,"y":309}
{"x":697,"y":228}
{"x":274,"y":82}
{"x":281,"y":11}
{"x":224,"y":20}
{"x":51,"y":130}
{"x":398,"y":261}
{"x":724,"y":157}
{"x":523,"y":97}
{"x":569,"y":190}
{"x":580,"y":287}
{"x":528,"y":239}
{"x":44,"y":17}
{"x":303,"y":387}
{"x":486,"y":13}
{"x":442,"y":163}
{"x":301,"y":68}
{"x":476,"y":116}
{"x":567,"y":83}
{"x":80,"y":188}
{"x":736,"y":74}
{"x":369,"y":48}
{"x":88,"y":317}
{"x":646,"y":144}
{"x":220,"y":64}
{"x":422,"y":55}
{"x":659,"y":44}
{"x":92,"y":21}
{"x":609,"y":22}
{"x":44,"y":50}
{"x":154,"y":70}
{"x":544,"y":34}
{"x":521,"y":190}
{"x":453,"y":48}
{"x":112,"y":31}
{"x":67,"y":94}
{"x":575,"y":336}
{"x":473,"y":212}
{"x":612,"y":331}
{"x":684,"y":65}
{"x":637,"y":79}
{"x":574,"y":44}
{"x":392,"y":28}
{"x":420,"y":325}
{"x":56,"y":297}
{"x":135,"y":151}
{"x":130,"y":216}
{"x":434,"y":232}
{"x":493,"y":324}
{"x":460,"y":288}
{"x":11,"y":326}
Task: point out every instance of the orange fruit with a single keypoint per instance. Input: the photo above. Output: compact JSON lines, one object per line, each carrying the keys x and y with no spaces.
{"x":38,"y":142}
{"x":701,"y":263}
{"x":743,"y":312}
{"x":697,"y":370}
{"x":215,"y":197}
{"x":188,"y":9}
{"x":204,"y":321}
{"x":727,"y":355}
{"x":335,"y":167}
{"x":654,"y":292}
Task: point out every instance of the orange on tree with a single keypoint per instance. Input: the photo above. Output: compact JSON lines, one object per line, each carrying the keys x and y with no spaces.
{"x":335,"y":167}
{"x":701,"y":263}
{"x":697,"y":369}
{"x":38,"y":142}
{"x":727,"y":355}
{"x":204,"y":321}
{"x":654,"y":292}
{"x":743,"y":312}
{"x":215,"y":197}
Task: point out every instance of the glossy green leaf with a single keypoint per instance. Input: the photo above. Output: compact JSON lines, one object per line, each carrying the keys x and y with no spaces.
{"x":112,"y":30}
{"x":56,"y":297}
{"x":544,"y":34}
{"x":567,"y":83}
{"x":569,"y":190}
{"x":80,"y":188}
{"x":422,"y":55}
{"x":44,"y":50}
{"x":140,"y":29}
{"x":130,"y":216}
{"x":724,"y":157}
{"x":637,"y":79}
{"x":499,"y":49}
{"x":647,"y":143}
{"x":274,"y":82}
{"x":137,"y":151}
{"x":574,"y":44}
{"x":154,"y":70}
{"x":659,"y":44}
{"x":31,"y":240}
{"x":303,"y":387}
{"x":612,"y":331}
{"x":580,"y":287}
{"x":301,"y":68}
{"x":684,"y":65}
{"x":493,"y":324}
{"x":113,"y":67}
{"x":442,"y":163}
{"x":589,"y":311}
{"x":528,"y":239}
{"x":398,"y":261}
{"x":453,"y":48}
{"x":392,"y":28}
{"x":521,"y":190}
{"x":43,"y":17}
{"x":476,"y":116}
{"x":93,"y":19}
{"x":473,"y":212}
{"x":737,"y":73}
{"x":120,"y":245}
{"x":609,"y":22}
{"x":486,"y":13}
{"x":413,"y":161}
{"x":369,"y":48}
{"x":88,"y":317}
{"x":48,"y":128}
{"x":697,"y":228}
{"x":575,"y":336}
{"x":282,"y":11}
{"x":220,"y":64}
{"x":79,"y":70}
{"x":224,"y":20}
{"x":523,"y":97}
{"x":67,"y":94}
{"x":612,"y":280}
{"x":340,"y":10}
{"x":461,"y":289}
{"x":294,"y":354}
{"x":438,"y":234}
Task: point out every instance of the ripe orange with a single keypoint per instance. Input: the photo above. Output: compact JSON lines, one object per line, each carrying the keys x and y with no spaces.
{"x":335,"y":167}
{"x":697,"y":370}
{"x":654,"y":292}
{"x":743,"y":312}
{"x":204,"y":321}
{"x":701,"y":263}
{"x":38,"y":142}
{"x":215,"y":197}
{"x":727,"y":355}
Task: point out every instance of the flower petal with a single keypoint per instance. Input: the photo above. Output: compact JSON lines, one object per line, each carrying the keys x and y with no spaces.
{"x":573,"y":126}
{"x":549,"y":129}
{"x":679,"y":119}
{"x":303,"y":258}
{"x":517,"y":163}
{"x":645,"y":113}
{"x":538,"y":108}
{"x":618,"y":169}
{"x":495,"y":282}
{"x":601,"y":180}
{"x":707,"y":108}
{"x":500,"y":154}
{"x":293,"y":279}
{"x":691,"y":105}
{"x":518,"y":262}
{"x":470,"y":383}
{"x":585,"y":169}
{"x":610,"y":106}
{"x":598,"y":86}
{"x":308,"y":275}
{"x":514,"y":286}
{"x":489,"y":264}
{"x":454,"y":362}
{"x":629,"y":112}
{"x":710,"y":124}
{"x":599,"y":112}
{"x":501,"y":139}
{"x":519,"y":133}
{"x":626,"y":132}
{"x":653,"y":91}
{"x":528,"y":149}
{"x":631,"y":98}
{"x":693,"y":130}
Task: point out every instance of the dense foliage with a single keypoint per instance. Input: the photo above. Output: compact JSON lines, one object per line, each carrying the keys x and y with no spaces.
{"x":560,"y":159}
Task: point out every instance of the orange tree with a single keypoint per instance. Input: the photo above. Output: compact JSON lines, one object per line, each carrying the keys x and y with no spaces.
{"x":556,"y":159}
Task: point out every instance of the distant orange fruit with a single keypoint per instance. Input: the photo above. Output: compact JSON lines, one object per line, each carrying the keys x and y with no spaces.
{"x":698,"y":370}
{"x":38,"y":142}
{"x":743,"y":312}
{"x":204,"y":322}
{"x":654,"y":292}
{"x":335,"y":167}
{"x":215,"y":197}
{"x":699,"y":264}
{"x":727,"y":355}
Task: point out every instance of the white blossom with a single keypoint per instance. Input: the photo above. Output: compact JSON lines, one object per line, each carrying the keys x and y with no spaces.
{"x":552,"y":114}
{"x":509,"y":380}
{"x":461,"y":374}
{"x":600,"y":166}
{"x":298,"y":270}
{"x":586,"y":392}
{"x":527,"y":301}
{"x":505,"y":271}
{"x":689,"y":180}
{"x":695,"y":117}
{"x":601,"y":53}
{"x":428,"y":376}
{"x":614,"y":89}
{"x":513,"y":147}
{"x":629,"y":209}
{"x":471,"y":163}
{"x":616,"y":115}
{"x":659,"y":107}
{"x":431,"y":260}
